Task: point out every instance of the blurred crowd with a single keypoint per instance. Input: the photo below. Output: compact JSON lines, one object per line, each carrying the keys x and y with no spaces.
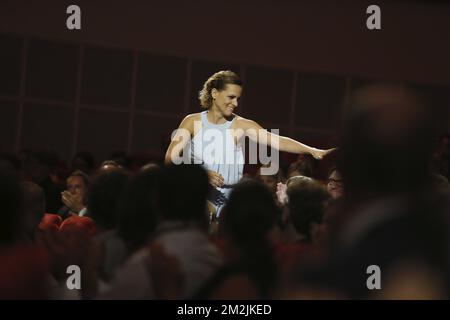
{"x":138,"y":229}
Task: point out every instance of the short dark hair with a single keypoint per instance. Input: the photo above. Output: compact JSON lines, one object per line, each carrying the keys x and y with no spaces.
{"x":250,"y":212}
{"x":183,"y":192}
{"x":304,"y":167}
{"x":307,"y":200}
{"x":103,"y":195}
{"x":82,"y":175}
{"x":248,"y":217}
{"x":137,"y":211}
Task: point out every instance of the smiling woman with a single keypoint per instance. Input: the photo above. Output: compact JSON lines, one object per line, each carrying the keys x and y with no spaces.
{"x":221,"y":81}
{"x":199,"y":134}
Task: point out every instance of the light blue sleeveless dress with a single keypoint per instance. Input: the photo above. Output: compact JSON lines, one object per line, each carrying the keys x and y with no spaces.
{"x":215,"y":148}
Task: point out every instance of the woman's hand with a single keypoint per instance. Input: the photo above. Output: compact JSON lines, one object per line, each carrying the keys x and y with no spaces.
{"x":319,"y":153}
{"x":215,"y":179}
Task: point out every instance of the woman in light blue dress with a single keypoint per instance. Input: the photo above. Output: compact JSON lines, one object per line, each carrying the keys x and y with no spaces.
{"x":214,"y":137}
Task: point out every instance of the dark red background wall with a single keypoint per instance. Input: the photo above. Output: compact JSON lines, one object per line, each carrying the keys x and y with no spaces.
{"x":129,"y":75}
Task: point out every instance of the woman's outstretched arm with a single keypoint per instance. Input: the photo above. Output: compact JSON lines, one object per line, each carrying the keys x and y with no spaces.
{"x":260,"y":135}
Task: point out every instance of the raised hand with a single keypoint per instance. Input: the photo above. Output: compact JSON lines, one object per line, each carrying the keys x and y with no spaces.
{"x":281,"y":193}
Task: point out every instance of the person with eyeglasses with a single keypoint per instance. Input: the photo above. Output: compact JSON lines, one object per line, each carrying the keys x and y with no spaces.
{"x":335,"y":185}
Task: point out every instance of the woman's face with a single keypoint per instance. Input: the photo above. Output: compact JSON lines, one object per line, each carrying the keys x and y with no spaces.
{"x":226,"y":100}
{"x":335,"y":186}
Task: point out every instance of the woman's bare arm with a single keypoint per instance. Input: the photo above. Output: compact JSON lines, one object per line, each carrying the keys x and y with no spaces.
{"x":260,"y":135}
{"x":180,"y":139}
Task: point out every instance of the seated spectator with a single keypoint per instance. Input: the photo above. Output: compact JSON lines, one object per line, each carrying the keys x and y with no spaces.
{"x":74,"y":197}
{"x":270,"y":181}
{"x":23,"y":266}
{"x":34,"y":208}
{"x":392,"y":217}
{"x":102,"y":206}
{"x":109,"y":165}
{"x":37,"y":167}
{"x":307,"y":200}
{"x":247,"y":224}
{"x":137,"y":208}
{"x":182,"y":235}
{"x":335,"y":184}
{"x":303,"y":166}
{"x":283,"y":200}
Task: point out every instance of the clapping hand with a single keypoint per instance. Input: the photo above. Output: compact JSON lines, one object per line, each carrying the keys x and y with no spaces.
{"x":73,"y":201}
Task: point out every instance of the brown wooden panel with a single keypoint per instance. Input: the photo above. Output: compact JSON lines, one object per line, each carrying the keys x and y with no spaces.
{"x":10,"y":59}
{"x":106,"y":77}
{"x":8,"y":125}
{"x":102,"y":132}
{"x":48,"y":128}
{"x":267,"y":95}
{"x":51,"y":70}
{"x":320,"y":100}
{"x":161,"y":83}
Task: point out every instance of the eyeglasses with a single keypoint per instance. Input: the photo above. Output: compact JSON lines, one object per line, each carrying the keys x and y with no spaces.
{"x":336,"y":182}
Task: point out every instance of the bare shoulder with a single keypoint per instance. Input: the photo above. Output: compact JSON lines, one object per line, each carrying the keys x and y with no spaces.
{"x":192,"y":117}
{"x":244,"y":123}
{"x":188,"y":121}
